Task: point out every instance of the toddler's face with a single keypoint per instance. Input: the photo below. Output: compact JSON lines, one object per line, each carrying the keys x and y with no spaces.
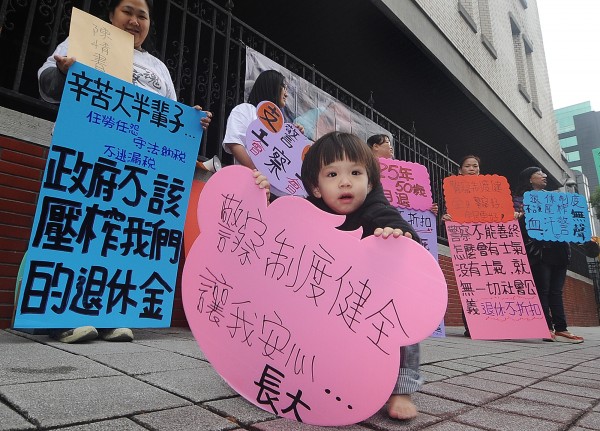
{"x":343,"y":185}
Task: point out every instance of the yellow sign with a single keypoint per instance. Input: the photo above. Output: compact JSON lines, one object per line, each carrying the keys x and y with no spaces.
{"x":101,"y":45}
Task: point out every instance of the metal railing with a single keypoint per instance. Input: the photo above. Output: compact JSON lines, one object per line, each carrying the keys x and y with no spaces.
{"x":203,"y":46}
{"x":579,"y":262}
{"x":594,"y":274}
{"x":201,"y":43}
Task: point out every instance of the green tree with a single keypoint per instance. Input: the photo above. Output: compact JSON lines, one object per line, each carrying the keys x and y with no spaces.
{"x":595,"y":201}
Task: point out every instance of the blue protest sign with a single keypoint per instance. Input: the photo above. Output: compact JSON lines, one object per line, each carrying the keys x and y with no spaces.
{"x":108,"y":228}
{"x":556,"y":216}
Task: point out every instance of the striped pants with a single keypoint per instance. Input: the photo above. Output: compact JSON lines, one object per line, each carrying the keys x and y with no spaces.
{"x":409,"y":378}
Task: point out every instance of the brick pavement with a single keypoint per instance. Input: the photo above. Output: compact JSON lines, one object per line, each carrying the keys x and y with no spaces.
{"x":162,"y":381}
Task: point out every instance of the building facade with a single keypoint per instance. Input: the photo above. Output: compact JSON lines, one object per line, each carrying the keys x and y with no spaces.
{"x":467,"y":75}
{"x":495,"y":52}
{"x":578,"y":128}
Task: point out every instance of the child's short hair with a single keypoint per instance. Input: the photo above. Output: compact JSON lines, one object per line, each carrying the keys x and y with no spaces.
{"x":333,"y":147}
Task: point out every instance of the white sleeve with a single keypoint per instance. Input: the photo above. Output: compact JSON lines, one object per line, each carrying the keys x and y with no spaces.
{"x":239,"y":119}
{"x":45,"y":85}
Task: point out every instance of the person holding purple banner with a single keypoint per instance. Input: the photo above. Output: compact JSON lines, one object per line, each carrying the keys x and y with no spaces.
{"x":269,"y":86}
{"x":150,"y":73}
{"x":548,"y":260}
{"x":341,"y":176}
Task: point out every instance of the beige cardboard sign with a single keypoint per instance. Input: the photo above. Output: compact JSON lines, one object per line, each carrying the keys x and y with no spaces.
{"x":101,"y":45}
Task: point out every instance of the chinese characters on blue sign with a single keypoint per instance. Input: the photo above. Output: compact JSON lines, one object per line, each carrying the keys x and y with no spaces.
{"x":557,"y":216}
{"x":108,"y":228}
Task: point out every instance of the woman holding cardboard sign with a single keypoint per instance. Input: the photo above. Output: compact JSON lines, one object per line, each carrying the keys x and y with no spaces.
{"x":469,"y":165}
{"x":270,"y":86}
{"x":132,"y":16}
{"x":548,"y":260}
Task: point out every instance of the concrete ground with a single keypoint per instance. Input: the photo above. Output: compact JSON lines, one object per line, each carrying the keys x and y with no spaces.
{"x":162,"y":381}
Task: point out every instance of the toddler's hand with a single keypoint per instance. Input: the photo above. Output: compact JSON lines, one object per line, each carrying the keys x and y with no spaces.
{"x":387,"y":231}
{"x":262,"y":182}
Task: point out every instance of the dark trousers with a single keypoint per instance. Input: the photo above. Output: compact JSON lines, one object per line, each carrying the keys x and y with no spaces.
{"x":464,"y":319}
{"x":549,"y":281}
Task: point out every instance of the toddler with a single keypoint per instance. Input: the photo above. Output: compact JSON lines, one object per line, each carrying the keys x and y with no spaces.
{"x":341,"y":176}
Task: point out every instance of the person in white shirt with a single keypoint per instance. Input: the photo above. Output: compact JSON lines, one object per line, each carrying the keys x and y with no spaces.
{"x":132,"y":16}
{"x":269,"y":86}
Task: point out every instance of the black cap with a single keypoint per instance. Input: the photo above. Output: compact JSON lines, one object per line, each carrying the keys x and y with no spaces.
{"x":526,"y":174}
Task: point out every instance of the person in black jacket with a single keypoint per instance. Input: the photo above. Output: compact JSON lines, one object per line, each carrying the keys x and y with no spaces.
{"x":341,"y":176}
{"x":548,"y":260}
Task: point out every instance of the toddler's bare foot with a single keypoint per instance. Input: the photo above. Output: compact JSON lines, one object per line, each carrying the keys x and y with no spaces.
{"x":401,"y":407}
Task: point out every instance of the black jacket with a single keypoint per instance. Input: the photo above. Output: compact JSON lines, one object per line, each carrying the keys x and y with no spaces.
{"x":376,"y":211}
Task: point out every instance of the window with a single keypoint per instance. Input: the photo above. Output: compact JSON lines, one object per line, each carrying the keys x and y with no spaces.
{"x":573,"y":156}
{"x":485,"y":21}
{"x":465,"y":9}
{"x":576,"y":168}
{"x":531,"y":75}
{"x":468,"y":10}
{"x":526,"y":79}
{"x":568,"y":142}
{"x":565,"y":125}
{"x":519,"y":54}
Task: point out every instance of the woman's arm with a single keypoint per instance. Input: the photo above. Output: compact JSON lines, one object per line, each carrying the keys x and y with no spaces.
{"x":53,"y":73}
{"x":240,"y":154}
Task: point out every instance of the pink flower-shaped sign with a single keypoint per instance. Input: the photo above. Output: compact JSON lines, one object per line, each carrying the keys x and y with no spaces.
{"x":293,"y":313}
{"x":478,"y":198}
